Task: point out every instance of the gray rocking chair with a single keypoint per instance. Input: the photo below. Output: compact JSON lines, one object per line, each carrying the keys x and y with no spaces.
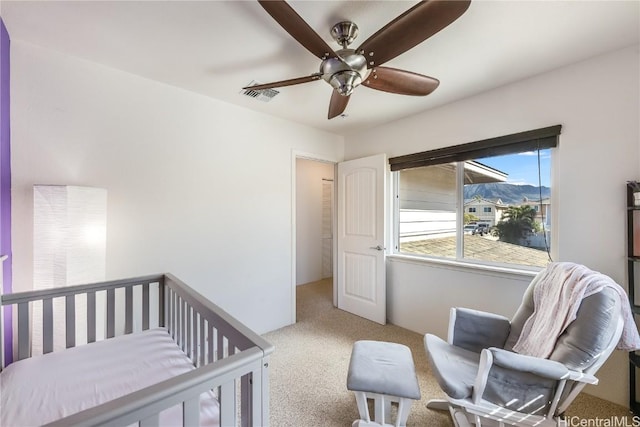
{"x":488,"y":384}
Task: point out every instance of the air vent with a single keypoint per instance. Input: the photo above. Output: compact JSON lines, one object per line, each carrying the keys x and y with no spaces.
{"x":264,"y":95}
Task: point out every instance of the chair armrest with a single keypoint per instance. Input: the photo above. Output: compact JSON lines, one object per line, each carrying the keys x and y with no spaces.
{"x":514,"y":368}
{"x":474,"y":330}
{"x":534,"y":365}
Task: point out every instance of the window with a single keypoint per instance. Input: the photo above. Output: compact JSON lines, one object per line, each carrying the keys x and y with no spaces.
{"x":506,"y":201}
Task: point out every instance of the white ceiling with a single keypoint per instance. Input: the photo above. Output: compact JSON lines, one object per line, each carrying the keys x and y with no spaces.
{"x":216,"y":47}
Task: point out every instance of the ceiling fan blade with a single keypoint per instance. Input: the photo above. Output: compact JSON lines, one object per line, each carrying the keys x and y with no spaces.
{"x":410,"y":29}
{"x":293,"y":24}
{"x":337,"y":104}
{"x":282,"y":83}
{"x":400,"y":81}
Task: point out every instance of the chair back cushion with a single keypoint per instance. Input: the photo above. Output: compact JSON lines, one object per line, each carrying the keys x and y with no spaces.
{"x":585,"y":338}
{"x":590,"y":333}
{"x":522,"y":314}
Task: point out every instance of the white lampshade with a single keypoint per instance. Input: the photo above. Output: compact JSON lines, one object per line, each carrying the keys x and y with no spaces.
{"x":69,"y":235}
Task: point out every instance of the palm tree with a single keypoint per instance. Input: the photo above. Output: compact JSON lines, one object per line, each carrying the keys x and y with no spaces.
{"x":468,"y":217}
{"x":516,"y":223}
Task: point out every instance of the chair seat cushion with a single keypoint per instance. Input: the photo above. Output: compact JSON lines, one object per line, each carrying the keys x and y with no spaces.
{"x":455,"y":368}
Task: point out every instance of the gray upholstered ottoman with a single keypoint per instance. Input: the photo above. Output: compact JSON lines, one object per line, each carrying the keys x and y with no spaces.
{"x":384,"y":372}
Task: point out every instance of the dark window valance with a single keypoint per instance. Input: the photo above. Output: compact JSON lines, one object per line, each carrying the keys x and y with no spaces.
{"x":536,"y":139}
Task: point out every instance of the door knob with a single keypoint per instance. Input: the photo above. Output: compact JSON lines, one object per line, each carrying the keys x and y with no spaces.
{"x":377,"y":248}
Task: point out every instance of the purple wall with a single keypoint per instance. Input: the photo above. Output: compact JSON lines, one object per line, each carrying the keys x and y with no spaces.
{"x":5,"y":185}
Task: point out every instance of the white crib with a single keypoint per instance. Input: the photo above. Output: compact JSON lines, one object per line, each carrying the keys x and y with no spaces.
{"x":226,"y":360}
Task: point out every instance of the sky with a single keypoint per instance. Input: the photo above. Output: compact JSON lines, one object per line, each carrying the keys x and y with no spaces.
{"x":522,"y":168}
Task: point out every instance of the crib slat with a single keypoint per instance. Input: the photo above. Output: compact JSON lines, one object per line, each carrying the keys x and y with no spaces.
{"x":180,"y":317}
{"x":246,"y":398}
{"x":23,"y":331}
{"x":70,"y":319}
{"x":172,"y":314}
{"x":210,"y":343}
{"x":191,"y":412}
{"x":188,"y":336}
{"x":202,"y":343}
{"x":163,"y":316}
{"x":145,"y":306}
{"x":194,"y":338}
{"x":47,"y":325}
{"x":228,"y":404}
{"x":178,"y":310}
{"x":183,"y":328}
{"x":194,"y":335}
{"x":220,"y":346}
{"x":128,"y":307}
{"x":111,"y":313}
{"x":179,"y":322}
{"x":176,"y":316}
{"x":168,"y":310}
{"x":91,"y":316}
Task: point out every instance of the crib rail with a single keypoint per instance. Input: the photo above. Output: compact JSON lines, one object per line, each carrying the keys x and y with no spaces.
{"x":207,"y":334}
{"x":202,"y":329}
{"x":229,"y":358}
{"x":144,"y":406}
{"x":23,"y":301}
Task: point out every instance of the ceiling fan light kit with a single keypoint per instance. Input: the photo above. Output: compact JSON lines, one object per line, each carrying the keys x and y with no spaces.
{"x":346,"y":69}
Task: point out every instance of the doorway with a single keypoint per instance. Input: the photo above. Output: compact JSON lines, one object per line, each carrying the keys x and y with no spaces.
{"x":314,"y":220}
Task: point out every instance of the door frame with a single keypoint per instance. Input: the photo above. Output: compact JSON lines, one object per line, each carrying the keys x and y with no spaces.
{"x":295,"y":155}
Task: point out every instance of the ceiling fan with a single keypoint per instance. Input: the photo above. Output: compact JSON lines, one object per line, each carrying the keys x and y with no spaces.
{"x":347,"y":68}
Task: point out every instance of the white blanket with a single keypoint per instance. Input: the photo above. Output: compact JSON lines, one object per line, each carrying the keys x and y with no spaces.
{"x":43,"y":389}
{"x":558,"y":292}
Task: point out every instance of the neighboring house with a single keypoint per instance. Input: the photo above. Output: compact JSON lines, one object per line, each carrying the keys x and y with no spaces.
{"x":488,"y":212}
{"x":427,"y":199}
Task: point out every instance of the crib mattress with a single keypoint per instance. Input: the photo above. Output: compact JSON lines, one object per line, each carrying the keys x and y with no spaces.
{"x":45,"y":388}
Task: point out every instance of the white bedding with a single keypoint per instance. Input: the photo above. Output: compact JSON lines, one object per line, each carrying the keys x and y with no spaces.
{"x":45,"y":388}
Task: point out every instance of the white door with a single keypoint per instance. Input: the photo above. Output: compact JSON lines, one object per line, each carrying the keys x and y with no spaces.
{"x":361,"y":238}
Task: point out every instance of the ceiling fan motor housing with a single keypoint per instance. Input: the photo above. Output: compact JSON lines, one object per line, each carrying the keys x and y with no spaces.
{"x":346,"y":71}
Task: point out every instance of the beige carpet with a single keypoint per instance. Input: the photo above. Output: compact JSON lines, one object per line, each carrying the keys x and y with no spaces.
{"x":311,"y":358}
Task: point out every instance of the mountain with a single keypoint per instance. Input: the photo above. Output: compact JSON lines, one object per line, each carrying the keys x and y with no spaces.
{"x":510,"y":194}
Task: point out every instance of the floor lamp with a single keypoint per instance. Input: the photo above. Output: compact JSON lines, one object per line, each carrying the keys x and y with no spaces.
{"x":69,"y":248}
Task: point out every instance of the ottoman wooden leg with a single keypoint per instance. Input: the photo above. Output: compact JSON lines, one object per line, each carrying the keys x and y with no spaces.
{"x":404,"y":407}
{"x":363,"y":408}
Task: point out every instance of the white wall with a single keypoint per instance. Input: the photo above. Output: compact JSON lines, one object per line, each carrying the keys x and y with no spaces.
{"x":597,"y":103}
{"x":196,"y":187}
{"x":309,"y":180}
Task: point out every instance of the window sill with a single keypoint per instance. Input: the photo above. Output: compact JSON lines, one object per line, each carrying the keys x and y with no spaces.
{"x":461,"y":265}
